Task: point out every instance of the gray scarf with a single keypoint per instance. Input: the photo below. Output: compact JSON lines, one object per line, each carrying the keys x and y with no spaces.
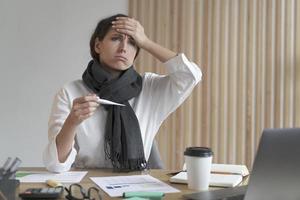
{"x":123,"y":141}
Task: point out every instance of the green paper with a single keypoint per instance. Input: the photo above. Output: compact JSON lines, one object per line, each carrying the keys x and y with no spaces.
{"x":21,"y":174}
{"x":143,"y":194}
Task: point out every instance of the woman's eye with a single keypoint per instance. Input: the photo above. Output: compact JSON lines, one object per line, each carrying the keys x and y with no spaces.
{"x":132,"y":42}
{"x":115,"y":38}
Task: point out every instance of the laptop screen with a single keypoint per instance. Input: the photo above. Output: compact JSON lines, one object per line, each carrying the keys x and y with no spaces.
{"x":276,"y":169}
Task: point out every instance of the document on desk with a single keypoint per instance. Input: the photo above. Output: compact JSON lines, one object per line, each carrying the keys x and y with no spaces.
{"x":115,"y":186}
{"x":41,"y":177}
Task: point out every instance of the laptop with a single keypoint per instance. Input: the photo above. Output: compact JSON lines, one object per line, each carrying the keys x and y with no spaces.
{"x":275,"y":173}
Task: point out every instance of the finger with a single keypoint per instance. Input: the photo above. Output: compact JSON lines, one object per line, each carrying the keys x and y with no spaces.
{"x":86,"y":107}
{"x":77,"y":106}
{"x":125,"y":23}
{"x":82,"y":107}
{"x":82,"y":112}
{"x":86,"y":98}
{"x":125,"y":31}
{"x":125,"y":18}
{"x":124,"y":26}
{"x":89,"y":98}
{"x":88,"y":104}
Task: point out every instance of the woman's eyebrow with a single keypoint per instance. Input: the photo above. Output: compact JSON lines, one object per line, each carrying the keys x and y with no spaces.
{"x":121,"y":35}
{"x":117,"y":34}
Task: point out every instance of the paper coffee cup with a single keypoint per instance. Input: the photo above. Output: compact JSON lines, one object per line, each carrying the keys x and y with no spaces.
{"x":198,"y":165}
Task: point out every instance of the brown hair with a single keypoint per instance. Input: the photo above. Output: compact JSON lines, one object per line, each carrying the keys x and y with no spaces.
{"x":100,"y":32}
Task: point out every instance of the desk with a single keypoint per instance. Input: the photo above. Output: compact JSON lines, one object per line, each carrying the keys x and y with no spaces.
{"x":86,"y":182}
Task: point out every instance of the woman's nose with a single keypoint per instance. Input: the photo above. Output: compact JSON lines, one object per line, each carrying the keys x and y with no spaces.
{"x":123,"y":45}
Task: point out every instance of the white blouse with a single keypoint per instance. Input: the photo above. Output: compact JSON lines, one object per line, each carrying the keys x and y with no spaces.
{"x":160,"y":96}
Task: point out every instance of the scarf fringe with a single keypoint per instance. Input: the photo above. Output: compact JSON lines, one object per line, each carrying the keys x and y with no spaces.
{"x":130,"y":165}
{"x":120,"y":164}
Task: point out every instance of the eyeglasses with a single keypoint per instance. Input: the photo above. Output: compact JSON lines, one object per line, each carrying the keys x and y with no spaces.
{"x":77,"y":192}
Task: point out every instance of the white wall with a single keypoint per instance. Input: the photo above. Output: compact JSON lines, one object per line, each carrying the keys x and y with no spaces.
{"x":43,"y":44}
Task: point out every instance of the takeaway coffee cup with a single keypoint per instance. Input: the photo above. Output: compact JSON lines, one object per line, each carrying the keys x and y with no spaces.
{"x":198,"y":165}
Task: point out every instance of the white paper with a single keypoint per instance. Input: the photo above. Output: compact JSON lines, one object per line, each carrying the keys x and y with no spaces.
{"x":107,"y":102}
{"x":42,"y":177}
{"x":115,"y":186}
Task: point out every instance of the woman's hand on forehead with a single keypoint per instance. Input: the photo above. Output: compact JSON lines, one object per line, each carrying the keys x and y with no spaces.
{"x":131,"y":27}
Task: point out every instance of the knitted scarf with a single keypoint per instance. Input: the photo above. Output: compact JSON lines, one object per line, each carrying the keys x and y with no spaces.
{"x":123,"y":141}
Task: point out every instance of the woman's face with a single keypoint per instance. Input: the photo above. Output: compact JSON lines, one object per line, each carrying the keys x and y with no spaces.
{"x":116,"y":51}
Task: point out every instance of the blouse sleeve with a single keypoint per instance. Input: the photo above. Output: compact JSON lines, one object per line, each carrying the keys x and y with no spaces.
{"x":167,"y":92}
{"x":60,"y":110}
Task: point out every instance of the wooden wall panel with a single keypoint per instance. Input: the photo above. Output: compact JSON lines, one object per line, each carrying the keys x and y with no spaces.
{"x":249,"y":53}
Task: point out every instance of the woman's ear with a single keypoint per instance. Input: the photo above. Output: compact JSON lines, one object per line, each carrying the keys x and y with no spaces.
{"x":97,"y":46}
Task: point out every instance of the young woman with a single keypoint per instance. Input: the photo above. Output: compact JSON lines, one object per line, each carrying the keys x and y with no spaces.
{"x":89,"y":134}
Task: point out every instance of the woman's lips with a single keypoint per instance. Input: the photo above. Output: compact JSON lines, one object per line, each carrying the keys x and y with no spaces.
{"x":122,"y":58}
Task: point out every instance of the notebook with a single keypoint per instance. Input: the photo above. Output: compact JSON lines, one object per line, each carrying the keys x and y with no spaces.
{"x":223,"y":175}
{"x":227,"y":169}
{"x":230,"y":169}
{"x":218,"y":180}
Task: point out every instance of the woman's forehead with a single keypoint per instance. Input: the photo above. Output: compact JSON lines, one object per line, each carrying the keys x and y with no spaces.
{"x":114,"y":32}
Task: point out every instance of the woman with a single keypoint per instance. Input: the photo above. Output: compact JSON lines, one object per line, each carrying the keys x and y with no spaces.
{"x":90,"y":134}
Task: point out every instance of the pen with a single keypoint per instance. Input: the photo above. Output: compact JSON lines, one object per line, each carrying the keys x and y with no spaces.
{"x":5,"y":166}
{"x":15,"y":165}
